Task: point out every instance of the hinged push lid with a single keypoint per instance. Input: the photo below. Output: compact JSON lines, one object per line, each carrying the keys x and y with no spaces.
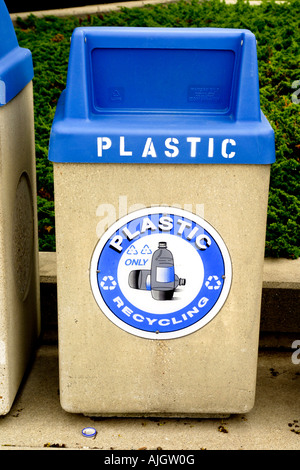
{"x":161,"y":95}
{"x":16,"y":69}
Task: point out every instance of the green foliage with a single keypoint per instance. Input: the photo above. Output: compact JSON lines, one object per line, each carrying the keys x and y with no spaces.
{"x":277,"y":29}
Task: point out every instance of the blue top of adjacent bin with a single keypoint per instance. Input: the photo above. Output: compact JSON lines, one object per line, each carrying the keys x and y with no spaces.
{"x":16,"y":69}
{"x":161,"y":95}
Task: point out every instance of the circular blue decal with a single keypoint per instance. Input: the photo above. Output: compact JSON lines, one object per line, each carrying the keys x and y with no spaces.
{"x":160,"y":273}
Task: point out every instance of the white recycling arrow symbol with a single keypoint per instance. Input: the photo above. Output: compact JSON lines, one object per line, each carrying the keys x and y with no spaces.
{"x":108,"y":283}
{"x":213,"y":283}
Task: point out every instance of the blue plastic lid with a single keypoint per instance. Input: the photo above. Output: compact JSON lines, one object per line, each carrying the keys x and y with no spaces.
{"x":16,"y":69}
{"x":161,"y":95}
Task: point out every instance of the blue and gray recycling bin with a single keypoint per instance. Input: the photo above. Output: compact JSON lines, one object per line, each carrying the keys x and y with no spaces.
{"x":19,"y":286}
{"x":161,"y":161}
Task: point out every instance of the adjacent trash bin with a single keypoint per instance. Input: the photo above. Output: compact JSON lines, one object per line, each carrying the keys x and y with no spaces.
{"x":19,"y":286}
{"x":161,"y":169}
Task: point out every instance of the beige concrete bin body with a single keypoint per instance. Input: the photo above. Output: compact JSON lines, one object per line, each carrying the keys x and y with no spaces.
{"x":19,"y":286}
{"x":122,"y":350}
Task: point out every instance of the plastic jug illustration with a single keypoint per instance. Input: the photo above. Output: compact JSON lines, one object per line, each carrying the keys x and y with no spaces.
{"x":161,"y":278}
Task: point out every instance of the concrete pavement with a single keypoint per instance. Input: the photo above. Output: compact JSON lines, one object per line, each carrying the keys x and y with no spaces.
{"x":37,"y":421}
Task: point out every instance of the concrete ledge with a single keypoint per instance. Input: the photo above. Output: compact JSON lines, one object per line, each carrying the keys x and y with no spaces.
{"x":48,"y":273}
{"x":86,"y":10}
{"x":278,"y":273}
{"x":281,"y":273}
{"x":101,"y":8}
{"x":280,"y":306}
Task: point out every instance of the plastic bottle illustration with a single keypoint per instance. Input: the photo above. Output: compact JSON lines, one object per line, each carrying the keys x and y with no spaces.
{"x":161,"y":278}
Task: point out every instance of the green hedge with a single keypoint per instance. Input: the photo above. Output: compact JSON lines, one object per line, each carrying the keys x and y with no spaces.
{"x":277,"y":29}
